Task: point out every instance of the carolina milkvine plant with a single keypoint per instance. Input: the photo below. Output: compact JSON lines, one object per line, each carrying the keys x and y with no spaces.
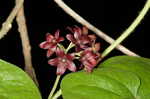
{"x":120,"y":77}
{"x":86,"y":50}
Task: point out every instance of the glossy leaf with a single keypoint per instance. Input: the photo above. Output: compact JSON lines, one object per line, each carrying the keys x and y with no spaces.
{"x":138,"y":65}
{"x":102,"y":83}
{"x":121,"y":77}
{"x":15,"y":83}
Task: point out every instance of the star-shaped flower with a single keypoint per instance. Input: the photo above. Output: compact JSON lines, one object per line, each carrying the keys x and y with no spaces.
{"x":80,"y":37}
{"x":63,"y":61}
{"x":89,"y":57}
{"x":51,"y":42}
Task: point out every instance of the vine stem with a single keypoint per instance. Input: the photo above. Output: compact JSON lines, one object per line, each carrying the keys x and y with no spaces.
{"x":6,"y":26}
{"x":58,"y":94}
{"x":101,"y":34}
{"x":22,"y":28}
{"x":54,"y":87}
{"x":129,"y":30}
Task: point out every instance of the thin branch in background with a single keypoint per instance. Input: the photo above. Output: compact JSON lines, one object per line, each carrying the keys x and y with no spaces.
{"x":22,"y":28}
{"x":129,"y":30}
{"x":6,"y":26}
{"x":101,"y":34}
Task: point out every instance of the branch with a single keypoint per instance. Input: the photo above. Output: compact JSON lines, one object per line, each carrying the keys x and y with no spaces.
{"x":129,"y":30}
{"x":22,"y":28}
{"x":6,"y":26}
{"x":101,"y":34}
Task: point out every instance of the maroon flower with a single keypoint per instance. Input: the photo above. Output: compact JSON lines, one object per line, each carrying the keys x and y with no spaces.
{"x":51,"y":42}
{"x":89,"y":57}
{"x":80,"y":38}
{"x":63,"y":61}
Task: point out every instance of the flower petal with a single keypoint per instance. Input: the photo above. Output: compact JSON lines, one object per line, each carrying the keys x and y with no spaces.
{"x":77,"y":29}
{"x":60,"y":52}
{"x":85,"y":30}
{"x":57,"y":34}
{"x":97,"y":47}
{"x":45,"y":45}
{"x":71,"y":66}
{"x":70,"y":56}
{"x":82,"y":46}
{"x":88,"y":69}
{"x":70,"y":29}
{"x":70,"y":38}
{"x":88,"y":64}
{"x":60,"y":39}
{"x":90,"y":58}
{"x":85,"y":40}
{"x":77,"y":33}
{"x":49,"y":37}
{"x":53,"y":62}
{"x":51,"y":51}
{"x":77,"y":49}
{"x":92,"y":61}
{"x":60,"y":69}
{"x":87,"y":52}
{"x":92,"y":37}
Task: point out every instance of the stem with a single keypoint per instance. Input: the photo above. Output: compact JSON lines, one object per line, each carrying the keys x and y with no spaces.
{"x":101,"y":34}
{"x":7,"y":24}
{"x":129,"y":30}
{"x":22,"y":28}
{"x":79,"y":53}
{"x":54,"y":87}
{"x":61,"y":47}
{"x":71,"y":45}
{"x":58,"y":94}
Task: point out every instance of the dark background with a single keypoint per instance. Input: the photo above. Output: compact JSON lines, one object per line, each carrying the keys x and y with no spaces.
{"x":111,"y":16}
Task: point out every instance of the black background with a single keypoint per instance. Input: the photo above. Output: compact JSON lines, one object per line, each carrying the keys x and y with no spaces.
{"x":111,"y":16}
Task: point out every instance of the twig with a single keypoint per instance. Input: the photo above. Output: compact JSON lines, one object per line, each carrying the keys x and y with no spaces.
{"x":7,"y":24}
{"x":101,"y":34}
{"x":58,"y":94}
{"x":129,"y":30}
{"x":54,"y":87}
{"x":22,"y":28}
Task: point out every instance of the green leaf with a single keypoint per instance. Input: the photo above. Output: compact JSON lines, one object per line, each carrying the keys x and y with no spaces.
{"x":128,"y":79}
{"x":120,"y":77}
{"x":137,"y":65}
{"x":15,"y":83}
{"x":102,"y":83}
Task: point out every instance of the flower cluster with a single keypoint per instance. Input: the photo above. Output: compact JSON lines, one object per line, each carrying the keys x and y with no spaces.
{"x":86,"y":50}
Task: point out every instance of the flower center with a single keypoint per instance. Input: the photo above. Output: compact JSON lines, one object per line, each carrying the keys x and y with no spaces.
{"x":54,"y":41}
{"x":63,"y":60}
